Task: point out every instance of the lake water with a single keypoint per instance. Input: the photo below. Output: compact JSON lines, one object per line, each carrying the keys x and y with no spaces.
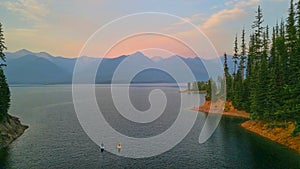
{"x":55,"y":138}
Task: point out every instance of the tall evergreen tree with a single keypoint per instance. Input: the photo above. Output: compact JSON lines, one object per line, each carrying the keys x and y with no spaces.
{"x":4,"y":89}
{"x":272,"y":97}
{"x":248,"y":83}
{"x":241,"y":86}
{"x":291,"y":40}
{"x":2,"y":48}
{"x":291,"y":30}
{"x":243,"y":55}
{"x":235,"y":55}
{"x":293,"y":103}
{"x":256,"y":90}
{"x":297,"y":86}
{"x":264,"y":76}
{"x":251,"y":56}
{"x":258,"y":28}
{"x":228,"y":79}
{"x":298,"y":21}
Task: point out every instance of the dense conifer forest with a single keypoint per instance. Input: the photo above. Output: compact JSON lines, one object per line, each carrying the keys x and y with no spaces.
{"x":266,"y":77}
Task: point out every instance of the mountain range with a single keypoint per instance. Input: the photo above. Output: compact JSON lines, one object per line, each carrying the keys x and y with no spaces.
{"x":26,"y":67}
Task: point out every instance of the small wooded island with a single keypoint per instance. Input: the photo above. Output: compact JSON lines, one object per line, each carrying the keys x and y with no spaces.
{"x":265,"y":81}
{"x":10,"y":127}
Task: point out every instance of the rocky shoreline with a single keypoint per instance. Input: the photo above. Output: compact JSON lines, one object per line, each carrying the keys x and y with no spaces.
{"x":10,"y":131}
{"x":277,"y":134}
{"x":228,"y":111}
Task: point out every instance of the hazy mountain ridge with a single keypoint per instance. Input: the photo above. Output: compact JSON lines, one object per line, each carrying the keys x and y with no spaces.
{"x":25,"y":67}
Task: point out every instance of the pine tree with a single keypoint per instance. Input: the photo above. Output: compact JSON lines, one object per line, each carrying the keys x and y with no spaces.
{"x":297,"y":86}
{"x":235,"y":85}
{"x":272,"y":97}
{"x":291,"y":30}
{"x":254,"y":91}
{"x":4,"y":89}
{"x":235,"y":55}
{"x":228,"y":79}
{"x":264,"y":77}
{"x":291,"y":40}
{"x":248,"y":83}
{"x":243,"y":55}
{"x":5,"y":97}
{"x":298,"y":33}
{"x":208,"y":90}
{"x":239,"y":94}
{"x":290,"y":88}
{"x":298,"y":21}
{"x":211,"y":89}
{"x":257,"y":26}
{"x":284,"y":59}
{"x":256,"y":84}
{"x":251,"y":56}
{"x":2,"y":48}
{"x":243,"y":83}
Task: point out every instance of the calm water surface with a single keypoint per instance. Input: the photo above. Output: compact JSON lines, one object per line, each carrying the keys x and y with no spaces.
{"x":55,"y":138}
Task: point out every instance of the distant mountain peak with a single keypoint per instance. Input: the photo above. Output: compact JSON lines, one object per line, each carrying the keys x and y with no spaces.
{"x":44,"y":55}
{"x":22,"y":52}
{"x":18,"y":54}
{"x":156,"y":58}
{"x":138,"y":54}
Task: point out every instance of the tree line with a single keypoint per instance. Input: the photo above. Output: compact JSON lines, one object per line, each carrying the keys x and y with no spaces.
{"x":266,"y":77}
{"x":197,"y":86}
{"x":4,"y":89}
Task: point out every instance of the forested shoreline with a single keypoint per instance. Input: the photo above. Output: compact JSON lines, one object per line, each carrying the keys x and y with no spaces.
{"x":266,"y":77}
{"x":4,"y":89}
{"x":10,"y":127}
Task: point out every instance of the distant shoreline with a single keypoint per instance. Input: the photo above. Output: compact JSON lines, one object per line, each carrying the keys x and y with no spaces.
{"x":279,"y":135}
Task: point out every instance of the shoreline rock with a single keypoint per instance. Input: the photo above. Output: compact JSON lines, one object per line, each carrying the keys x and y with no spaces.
{"x":279,"y":135}
{"x":10,"y":131}
{"x":229,"y":109}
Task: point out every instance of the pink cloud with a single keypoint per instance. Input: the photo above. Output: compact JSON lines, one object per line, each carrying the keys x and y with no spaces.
{"x":223,"y":17}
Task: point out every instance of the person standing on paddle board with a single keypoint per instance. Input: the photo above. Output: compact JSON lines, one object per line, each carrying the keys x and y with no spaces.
{"x":102,"y":147}
{"x":119,"y":147}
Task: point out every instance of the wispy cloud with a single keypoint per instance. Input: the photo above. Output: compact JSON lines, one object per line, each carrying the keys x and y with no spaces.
{"x":220,"y":25}
{"x":29,"y":9}
{"x":72,"y":22}
{"x":238,"y":11}
{"x":222,"y":17}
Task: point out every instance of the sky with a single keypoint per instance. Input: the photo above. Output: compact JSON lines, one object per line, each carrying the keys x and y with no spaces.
{"x":74,"y":28}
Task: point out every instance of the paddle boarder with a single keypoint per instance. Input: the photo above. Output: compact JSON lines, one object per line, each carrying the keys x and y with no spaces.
{"x":119,"y":146}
